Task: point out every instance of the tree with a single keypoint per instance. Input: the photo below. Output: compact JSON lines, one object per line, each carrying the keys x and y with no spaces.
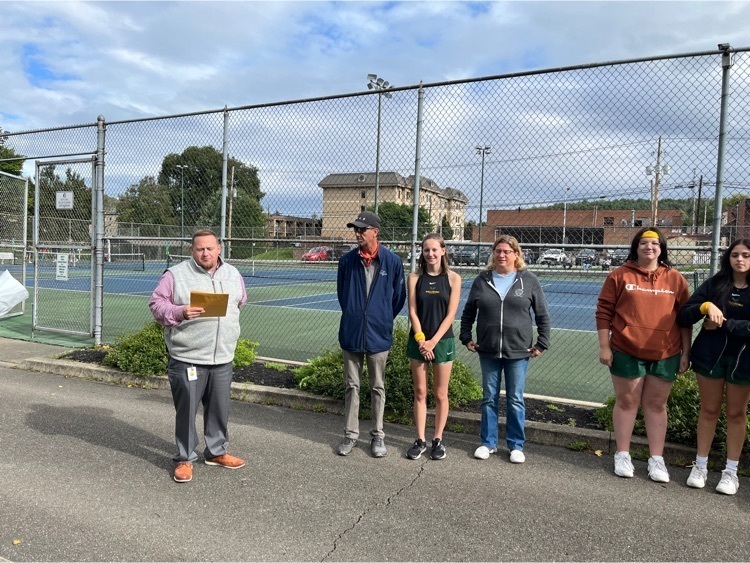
{"x":148,"y":204}
{"x":198,"y":183}
{"x":10,"y":166}
{"x":396,"y":221}
{"x":445,"y":227}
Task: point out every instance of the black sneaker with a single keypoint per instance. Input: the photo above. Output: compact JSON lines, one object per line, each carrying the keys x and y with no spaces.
{"x":418,"y":448}
{"x":438,"y":449}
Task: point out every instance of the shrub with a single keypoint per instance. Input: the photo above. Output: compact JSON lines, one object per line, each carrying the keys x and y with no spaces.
{"x":683,"y":408}
{"x":324,"y":375}
{"x":142,"y":352}
{"x":244,"y":355}
{"x":145,"y":353}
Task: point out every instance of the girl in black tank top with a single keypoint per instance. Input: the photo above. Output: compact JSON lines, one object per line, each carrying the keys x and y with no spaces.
{"x":434,"y":291}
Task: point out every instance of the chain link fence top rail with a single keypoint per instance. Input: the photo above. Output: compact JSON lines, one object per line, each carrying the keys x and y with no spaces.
{"x":572,"y":162}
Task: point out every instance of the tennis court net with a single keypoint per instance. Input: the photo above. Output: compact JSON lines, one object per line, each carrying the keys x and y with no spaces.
{"x":286,"y":271}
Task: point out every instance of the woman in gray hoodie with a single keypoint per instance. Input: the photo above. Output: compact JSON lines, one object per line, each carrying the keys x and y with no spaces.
{"x":500,"y":301}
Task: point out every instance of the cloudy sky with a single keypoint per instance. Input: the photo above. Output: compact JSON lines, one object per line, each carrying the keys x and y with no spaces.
{"x":67,"y":62}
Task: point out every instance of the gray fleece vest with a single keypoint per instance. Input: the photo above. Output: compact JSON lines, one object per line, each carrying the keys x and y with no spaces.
{"x":210,"y":340}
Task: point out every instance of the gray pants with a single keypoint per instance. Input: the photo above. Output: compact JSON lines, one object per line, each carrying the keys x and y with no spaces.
{"x":353,"y":363}
{"x":212,"y":390}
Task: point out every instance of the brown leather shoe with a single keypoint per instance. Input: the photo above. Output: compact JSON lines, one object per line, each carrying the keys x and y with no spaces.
{"x":183,"y":472}
{"x":226,"y":460}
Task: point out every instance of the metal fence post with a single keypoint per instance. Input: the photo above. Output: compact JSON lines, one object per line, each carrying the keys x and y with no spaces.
{"x":417,"y":166}
{"x":726,"y":64}
{"x":224,"y":149}
{"x":98,"y":221}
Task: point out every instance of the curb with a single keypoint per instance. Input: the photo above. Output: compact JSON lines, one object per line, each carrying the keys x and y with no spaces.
{"x":583,"y":439}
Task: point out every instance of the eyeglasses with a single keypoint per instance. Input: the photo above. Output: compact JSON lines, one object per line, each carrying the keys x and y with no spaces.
{"x":503,"y":251}
{"x":361,"y":230}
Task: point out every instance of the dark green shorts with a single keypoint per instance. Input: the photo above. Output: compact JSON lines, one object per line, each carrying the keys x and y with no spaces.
{"x":445,"y":351}
{"x":633,"y":368}
{"x":723,"y":369}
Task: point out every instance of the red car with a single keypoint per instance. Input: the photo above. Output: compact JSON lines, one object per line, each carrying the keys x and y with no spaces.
{"x":317,"y":254}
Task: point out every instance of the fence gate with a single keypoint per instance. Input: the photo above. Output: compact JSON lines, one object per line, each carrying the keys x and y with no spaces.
{"x":62,"y":246}
{"x":14,"y":194}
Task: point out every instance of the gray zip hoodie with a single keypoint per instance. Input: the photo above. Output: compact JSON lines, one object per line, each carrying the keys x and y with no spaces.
{"x":504,"y":327}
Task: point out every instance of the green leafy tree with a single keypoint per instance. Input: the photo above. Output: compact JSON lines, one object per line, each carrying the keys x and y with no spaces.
{"x":198,"y":183}
{"x":396,"y":221}
{"x":446,"y":229}
{"x":149,"y":204}
{"x":10,"y":166}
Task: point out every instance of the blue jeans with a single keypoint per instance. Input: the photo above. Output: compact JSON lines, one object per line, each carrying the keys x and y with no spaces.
{"x":515,"y":379}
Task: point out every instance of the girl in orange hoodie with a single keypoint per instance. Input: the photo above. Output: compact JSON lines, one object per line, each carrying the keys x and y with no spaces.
{"x":641,"y":343}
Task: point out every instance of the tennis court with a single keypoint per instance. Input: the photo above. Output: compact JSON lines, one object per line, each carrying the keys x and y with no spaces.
{"x":293,"y":313}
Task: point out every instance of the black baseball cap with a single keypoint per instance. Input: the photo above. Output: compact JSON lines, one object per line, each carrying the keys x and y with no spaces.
{"x":366,"y":219}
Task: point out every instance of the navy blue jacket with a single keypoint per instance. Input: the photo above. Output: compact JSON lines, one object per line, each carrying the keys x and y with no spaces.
{"x":709,"y":345}
{"x":367,"y":321}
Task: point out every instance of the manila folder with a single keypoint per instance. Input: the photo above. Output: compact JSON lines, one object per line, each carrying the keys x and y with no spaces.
{"x":215,"y":304}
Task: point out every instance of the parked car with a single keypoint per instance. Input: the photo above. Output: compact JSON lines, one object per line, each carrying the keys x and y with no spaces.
{"x":467,"y":255}
{"x":552,"y":257}
{"x":618,"y":256}
{"x":339,"y":251}
{"x":318,"y":254}
{"x":587,"y":256}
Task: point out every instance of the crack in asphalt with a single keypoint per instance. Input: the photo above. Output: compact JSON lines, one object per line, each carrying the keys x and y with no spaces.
{"x":387,"y":502}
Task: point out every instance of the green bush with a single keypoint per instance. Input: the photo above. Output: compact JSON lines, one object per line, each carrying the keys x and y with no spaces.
{"x":683,"y":408}
{"x":145,"y":353}
{"x":244,"y":355}
{"x":142,"y":352}
{"x":324,"y":375}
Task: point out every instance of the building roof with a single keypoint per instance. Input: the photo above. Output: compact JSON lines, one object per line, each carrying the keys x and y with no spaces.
{"x":367,"y":179}
{"x":281,"y":217}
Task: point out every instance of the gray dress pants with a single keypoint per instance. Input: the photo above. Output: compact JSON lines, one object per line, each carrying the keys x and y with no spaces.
{"x":211,"y":389}
{"x":353,"y":363}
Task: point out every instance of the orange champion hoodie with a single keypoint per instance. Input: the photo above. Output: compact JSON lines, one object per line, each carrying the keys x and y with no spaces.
{"x":640,"y":308}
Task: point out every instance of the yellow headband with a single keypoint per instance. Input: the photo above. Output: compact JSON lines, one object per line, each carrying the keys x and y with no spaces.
{"x":650,"y":234}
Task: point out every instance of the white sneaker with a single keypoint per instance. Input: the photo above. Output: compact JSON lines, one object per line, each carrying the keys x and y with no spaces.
{"x":697,"y":479}
{"x":623,"y":464}
{"x":483,"y":452}
{"x":729,"y":483}
{"x":516,"y":456}
{"x":657,"y":471}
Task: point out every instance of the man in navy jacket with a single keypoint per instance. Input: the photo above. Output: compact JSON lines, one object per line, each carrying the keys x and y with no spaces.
{"x":371,"y":293}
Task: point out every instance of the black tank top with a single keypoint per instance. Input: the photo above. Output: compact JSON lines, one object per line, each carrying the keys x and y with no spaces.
{"x":433,"y":294}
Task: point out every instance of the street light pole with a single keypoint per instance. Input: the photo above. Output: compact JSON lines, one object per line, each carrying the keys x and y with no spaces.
{"x":182,"y":206}
{"x":380,"y":85}
{"x":482,"y":150}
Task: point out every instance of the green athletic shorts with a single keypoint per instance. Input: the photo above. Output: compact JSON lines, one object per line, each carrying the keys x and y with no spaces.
{"x":445,"y":351}
{"x":722,"y":370}
{"x":633,"y":368}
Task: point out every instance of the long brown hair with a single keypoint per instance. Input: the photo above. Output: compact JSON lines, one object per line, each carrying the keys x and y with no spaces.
{"x":422,"y":266}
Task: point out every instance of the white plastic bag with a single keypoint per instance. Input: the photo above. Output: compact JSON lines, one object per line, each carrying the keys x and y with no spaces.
{"x":11,"y":292}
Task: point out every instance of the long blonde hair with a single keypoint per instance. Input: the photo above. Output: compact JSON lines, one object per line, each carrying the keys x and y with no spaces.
{"x":421,"y":267}
{"x":513,"y":243}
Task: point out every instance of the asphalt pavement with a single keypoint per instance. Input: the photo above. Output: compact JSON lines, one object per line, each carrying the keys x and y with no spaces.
{"x":86,"y":476}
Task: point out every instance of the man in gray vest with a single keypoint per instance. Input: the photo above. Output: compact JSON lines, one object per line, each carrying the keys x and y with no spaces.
{"x":201,"y":351}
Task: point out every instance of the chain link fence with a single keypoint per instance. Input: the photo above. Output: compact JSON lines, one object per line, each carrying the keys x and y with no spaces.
{"x":572,"y":162}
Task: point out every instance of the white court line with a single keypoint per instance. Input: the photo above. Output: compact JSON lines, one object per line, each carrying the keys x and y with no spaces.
{"x":300,"y":297}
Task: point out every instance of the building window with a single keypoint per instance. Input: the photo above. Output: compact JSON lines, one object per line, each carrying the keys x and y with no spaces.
{"x":609,"y":221}
{"x":362,"y":208}
{"x":363,"y":194}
